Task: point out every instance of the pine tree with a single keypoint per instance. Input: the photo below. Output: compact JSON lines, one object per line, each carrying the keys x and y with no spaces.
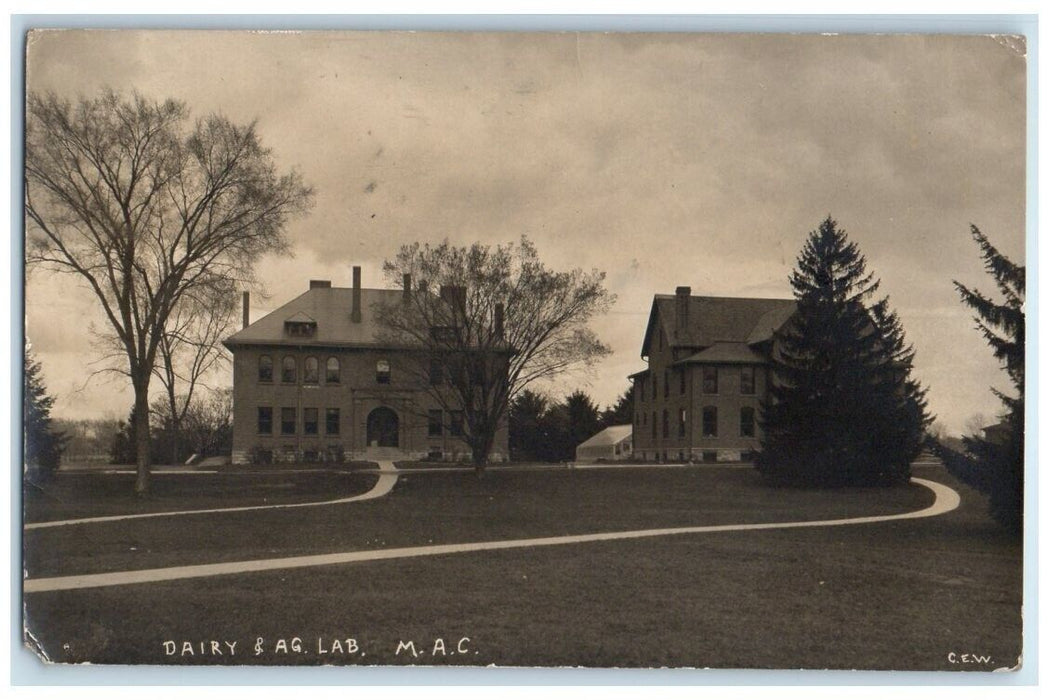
{"x":843,"y":408}
{"x":621,"y":412}
{"x":994,"y":463}
{"x":43,"y":444}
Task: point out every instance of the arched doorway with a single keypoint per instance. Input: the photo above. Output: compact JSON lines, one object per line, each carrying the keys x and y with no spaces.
{"x":383,"y":428}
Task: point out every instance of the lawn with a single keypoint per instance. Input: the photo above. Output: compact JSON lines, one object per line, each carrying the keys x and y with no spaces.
{"x":85,"y":494}
{"x":900,"y":595}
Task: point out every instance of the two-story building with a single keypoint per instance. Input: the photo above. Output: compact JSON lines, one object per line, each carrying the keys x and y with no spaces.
{"x":315,"y":381}
{"x":708,"y":372}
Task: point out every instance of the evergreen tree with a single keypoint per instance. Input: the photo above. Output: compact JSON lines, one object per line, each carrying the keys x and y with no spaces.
{"x":43,"y":444}
{"x":526,"y":414}
{"x":843,"y":409}
{"x":583,"y":420}
{"x":621,"y":412}
{"x":994,"y":463}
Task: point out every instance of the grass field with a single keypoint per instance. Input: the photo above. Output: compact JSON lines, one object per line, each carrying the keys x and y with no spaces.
{"x":897,"y":595}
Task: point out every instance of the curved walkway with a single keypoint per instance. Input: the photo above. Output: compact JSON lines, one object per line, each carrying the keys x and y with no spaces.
{"x":387,"y":478}
{"x":947,"y":499}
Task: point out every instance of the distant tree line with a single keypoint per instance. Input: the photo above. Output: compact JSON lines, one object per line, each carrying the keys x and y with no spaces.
{"x":204,"y":428}
{"x":547,"y":430}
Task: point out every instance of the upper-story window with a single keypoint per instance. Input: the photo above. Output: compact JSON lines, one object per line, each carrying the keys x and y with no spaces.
{"x":311,"y":371}
{"x":265,"y":368}
{"x":331,"y":371}
{"x":436,"y":371}
{"x":382,"y":371}
{"x":666,"y":383}
{"x":666,"y":423}
{"x":746,"y":380}
{"x":710,"y":380}
{"x":682,"y":376}
{"x":289,"y":371}
{"x":654,"y":387}
{"x":300,"y":326}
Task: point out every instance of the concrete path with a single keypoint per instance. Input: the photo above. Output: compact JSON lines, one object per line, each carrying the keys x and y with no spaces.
{"x":947,"y":499}
{"x":387,"y":478}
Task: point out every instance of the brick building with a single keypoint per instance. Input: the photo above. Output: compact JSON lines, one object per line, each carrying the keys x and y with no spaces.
{"x":708,"y":371}
{"x":314,"y":381}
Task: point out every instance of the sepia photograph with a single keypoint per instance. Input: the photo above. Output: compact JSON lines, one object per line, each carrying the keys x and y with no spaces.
{"x":524,"y":349}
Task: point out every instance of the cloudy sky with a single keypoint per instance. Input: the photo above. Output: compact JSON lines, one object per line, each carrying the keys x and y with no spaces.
{"x":662,"y":159}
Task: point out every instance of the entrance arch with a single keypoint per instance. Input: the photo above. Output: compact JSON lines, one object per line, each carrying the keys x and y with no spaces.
{"x":383,"y":428}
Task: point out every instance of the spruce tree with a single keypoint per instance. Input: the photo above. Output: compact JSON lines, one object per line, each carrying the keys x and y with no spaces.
{"x":43,"y":444}
{"x":994,"y":463}
{"x":843,"y":408}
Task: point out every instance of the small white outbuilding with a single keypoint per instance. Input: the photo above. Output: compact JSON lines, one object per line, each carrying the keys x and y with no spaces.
{"x":612,"y":444}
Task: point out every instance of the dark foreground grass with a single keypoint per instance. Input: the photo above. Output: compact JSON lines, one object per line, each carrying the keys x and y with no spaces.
{"x":443,"y":508}
{"x":900,"y":595}
{"x":85,"y":494}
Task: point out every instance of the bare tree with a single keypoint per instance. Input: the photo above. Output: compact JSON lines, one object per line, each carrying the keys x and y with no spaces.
{"x":190,"y":349}
{"x":148,"y":208}
{"x":488,"y":321}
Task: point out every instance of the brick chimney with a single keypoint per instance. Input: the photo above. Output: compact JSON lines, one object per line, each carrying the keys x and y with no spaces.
{"x":407,"y":283}
{"x":246,"y":304}
{"x":681,"y":296}
{"x":355,"y":315}
{"x":499,"y":320}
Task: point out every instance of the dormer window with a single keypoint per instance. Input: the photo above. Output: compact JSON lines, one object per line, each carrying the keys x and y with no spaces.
{"x":443,"y":334}
{"x":300,"y":326}
{"x":299,"y":330}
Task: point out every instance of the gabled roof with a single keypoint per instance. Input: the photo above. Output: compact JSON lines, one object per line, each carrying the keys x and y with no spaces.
{"x":609,"y":436}
{"x":716,"y":319}
{"x":300,"y":318}
{"x":330,"y":307}
{"x":725,"y":353}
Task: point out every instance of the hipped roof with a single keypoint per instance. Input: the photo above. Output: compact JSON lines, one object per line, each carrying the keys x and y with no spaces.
{"x":331,"y":308}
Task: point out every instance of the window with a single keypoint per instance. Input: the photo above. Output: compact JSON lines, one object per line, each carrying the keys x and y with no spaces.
{"x":455,"y":426}
{"x":710,"y":380}
{"x":436,"y":372}
{"x":332,"y":375}
{"x":655,"y":422}
{"x":382,"y":371}
{"x":289,"y":373}
{"x":666,"y":423}
{"x":287,"y":421}
{"x":681,"y":380}
{"x":746,"y":421}
{"x":311,"y":371}
{"x":265,"y":420}
{"x":300,"y":329}
{"x":654,"y":387}
{"x":265,"y":368}
{"x":746,"y":380}
{"x":331,"y":421}
{"x":309,"y":421}
{"x":710,"y":421}
{"x":434,"y":418}
{"x":682,"y":421}
{"x":666,"y":383}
